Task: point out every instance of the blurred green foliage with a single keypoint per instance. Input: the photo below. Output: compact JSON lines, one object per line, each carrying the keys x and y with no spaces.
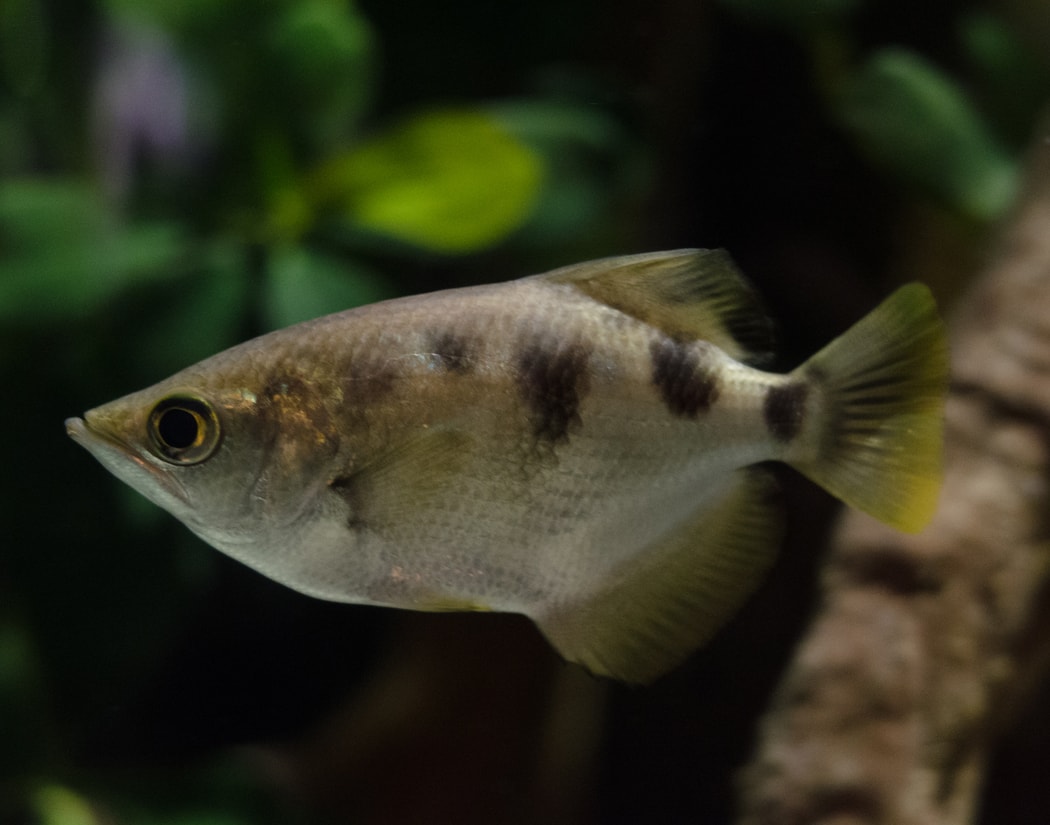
{"x":67,"y":253}
{"x":911,"y":118}
{"x":175,"y":177}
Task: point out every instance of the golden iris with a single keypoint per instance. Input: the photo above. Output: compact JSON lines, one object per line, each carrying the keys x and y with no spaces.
{"x":184,"y":430}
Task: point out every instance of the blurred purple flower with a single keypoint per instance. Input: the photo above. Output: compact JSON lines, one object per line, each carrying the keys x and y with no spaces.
{"x":141,"y":108}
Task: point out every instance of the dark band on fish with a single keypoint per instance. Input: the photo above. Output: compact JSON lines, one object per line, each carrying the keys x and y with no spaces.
{"x":452,"y":352}
{"x":553,"y":381}
{"x":784,"y":409}
{"x":685,"y":385}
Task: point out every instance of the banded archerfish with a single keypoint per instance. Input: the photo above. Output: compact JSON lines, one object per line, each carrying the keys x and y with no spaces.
{"x":579,"y":446}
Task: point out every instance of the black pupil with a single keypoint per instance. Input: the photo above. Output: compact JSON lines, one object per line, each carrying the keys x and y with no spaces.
{"x":178,"y":428}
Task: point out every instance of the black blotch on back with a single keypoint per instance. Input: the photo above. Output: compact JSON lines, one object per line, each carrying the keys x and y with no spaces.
{"x":784,"y":409}
{"x":686,"y":386}
{"x":553,"y":381}
{"x":452,"y":351}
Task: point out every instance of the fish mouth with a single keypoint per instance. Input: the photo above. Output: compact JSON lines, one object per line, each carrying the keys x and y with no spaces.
{"x":76,"y":428}
{"x":125,"y":462}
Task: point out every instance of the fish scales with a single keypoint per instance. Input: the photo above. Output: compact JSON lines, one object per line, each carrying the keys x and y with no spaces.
{"x":550,"y":387}
{"x":577,"y":446}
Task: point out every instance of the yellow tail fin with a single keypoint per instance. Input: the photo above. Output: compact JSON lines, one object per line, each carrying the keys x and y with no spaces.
{"x":883,"y":383}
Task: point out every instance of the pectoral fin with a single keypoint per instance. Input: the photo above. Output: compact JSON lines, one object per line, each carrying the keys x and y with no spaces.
{"x":673,"y":596}
{"x":403,"y":479}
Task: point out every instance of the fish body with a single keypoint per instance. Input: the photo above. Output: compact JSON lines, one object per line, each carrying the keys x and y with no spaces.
{"x":578,"y":447}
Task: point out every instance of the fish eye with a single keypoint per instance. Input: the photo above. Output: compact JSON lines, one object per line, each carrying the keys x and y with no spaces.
{"x":184,"y":430}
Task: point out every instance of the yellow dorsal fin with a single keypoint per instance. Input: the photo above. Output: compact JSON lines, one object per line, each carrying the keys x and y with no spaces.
{"x":690,"y":294}
{"x":671,"y":598}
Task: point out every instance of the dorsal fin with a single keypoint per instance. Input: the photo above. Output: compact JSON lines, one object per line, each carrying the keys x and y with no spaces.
{"x":690,"y":294}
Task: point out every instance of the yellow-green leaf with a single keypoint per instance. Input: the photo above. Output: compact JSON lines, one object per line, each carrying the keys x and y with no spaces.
{"x":58,"y":805}
{"x":450,"y":180}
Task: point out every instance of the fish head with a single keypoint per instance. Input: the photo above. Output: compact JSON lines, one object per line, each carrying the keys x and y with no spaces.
{"x":234,"y":457}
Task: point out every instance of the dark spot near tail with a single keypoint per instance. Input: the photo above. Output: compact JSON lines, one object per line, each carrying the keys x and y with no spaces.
{"x":784,"y":409}
{"x":892,"y":570}
{"x":553,"y":381}
{"x":687,"y":387}
{"x":452,"y":352}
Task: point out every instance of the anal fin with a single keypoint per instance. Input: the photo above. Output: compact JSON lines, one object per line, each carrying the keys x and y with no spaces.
{"x":672,"y":597}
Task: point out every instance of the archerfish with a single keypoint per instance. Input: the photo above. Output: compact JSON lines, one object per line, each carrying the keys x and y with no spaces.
{"x":582,"y":447}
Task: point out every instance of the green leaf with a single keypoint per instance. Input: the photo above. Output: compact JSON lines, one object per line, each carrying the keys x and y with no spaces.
{"x":17,"y":144}
{"x":57,"y":805}
{"x":23,"y":701}
{"x":301,"y":285}
{"x":1010,"y":82}
{"x":553,"y":124}
{"x":186,"y":14}
{"x":915,"y":121}
{"x":63,"y":253}
{"x":451,"y":181}
{"x":589,"y":160}
{"x":196,"y":315}
{"x":325,"y":52}
{"x":24,"y":45}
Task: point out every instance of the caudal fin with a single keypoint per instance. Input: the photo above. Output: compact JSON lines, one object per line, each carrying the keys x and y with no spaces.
{"x":883,"y":385}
